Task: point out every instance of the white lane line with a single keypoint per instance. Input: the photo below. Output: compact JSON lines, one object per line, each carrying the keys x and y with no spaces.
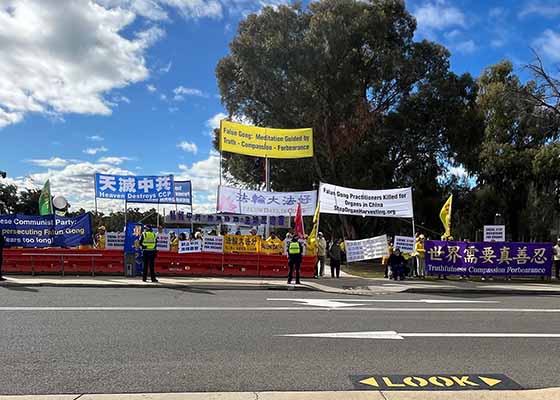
{"x":375,"y":309}
{"x":428,"y":301}
{"x":392,"y":335}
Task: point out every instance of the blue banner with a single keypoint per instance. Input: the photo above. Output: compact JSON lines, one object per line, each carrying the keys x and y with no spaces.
{"x":135,"y":189}
{"x":133,"y":233}
{"x":46,"y":231}
{"x":183,"y":193}
{"x":488,"y":258}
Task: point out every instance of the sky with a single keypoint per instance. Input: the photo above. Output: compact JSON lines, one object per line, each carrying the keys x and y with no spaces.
{"x":129,"y":87}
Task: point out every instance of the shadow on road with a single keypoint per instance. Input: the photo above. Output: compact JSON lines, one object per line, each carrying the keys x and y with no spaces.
{"x":191,"y":290}
{"x":21,"y":289}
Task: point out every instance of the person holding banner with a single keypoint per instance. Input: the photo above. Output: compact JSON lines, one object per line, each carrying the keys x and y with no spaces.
{"x":421,"y":257}
{"x":148,"y":241}
{"x":295,"y":252}
{"x":2,"y":244}
{"x":397,"y":263}
{"x":335,"y":254}
{"x":321,"y":255}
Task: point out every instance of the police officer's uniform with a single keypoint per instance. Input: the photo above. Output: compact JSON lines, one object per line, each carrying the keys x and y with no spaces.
{"x":149,"y":246}
{"x":295,"y":252}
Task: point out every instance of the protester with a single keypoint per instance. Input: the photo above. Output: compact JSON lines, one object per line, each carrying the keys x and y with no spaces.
{"x":2,"y":245}
{"x":173,"y":242}
{"x":148,"y":241}
{"x":385,"y":259}
{"x":182,"y":236}
{"x":420,"y":251}
{"x":396,"y":263}
{"x":295,"y":252}
{"x":335,"y":254}
{"x":321,"y":255}
{"x":199,"y":234}
{"x":556,"y":251}
{"x":100,"y":238}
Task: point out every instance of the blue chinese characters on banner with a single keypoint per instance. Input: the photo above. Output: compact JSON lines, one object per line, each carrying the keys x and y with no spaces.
{"x":46,"y":231}
{"x":488,"y":258}
{"x":137,"y":189}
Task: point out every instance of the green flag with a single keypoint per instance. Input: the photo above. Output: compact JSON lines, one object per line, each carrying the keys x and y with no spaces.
{"x":45,"y":202}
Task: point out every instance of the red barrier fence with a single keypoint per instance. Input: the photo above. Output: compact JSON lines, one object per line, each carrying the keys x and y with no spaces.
{"x":111,"y":262}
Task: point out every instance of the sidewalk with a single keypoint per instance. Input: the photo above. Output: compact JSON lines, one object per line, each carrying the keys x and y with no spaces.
{"x":540,"y":394}
{"x":347,"y":284}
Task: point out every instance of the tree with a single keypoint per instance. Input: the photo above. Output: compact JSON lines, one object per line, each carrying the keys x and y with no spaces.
{"x":8,"y":198}
{"x":352,"y":71}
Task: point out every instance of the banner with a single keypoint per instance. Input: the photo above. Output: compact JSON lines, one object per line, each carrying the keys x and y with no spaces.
{"x":213,"y":244}
{"x":266,"y":142}
{"x":183,"y":193}
{"x":163,"y":242}
{"x":272,"y":247}
{"x":366,"y":249}
{"x":46,"y":231}
{"x":252,"y":202}
{"x":395,"y":203}
{"x":226,"y":219}
{"x":404,"y":243}
{"x":114,"y":240}
{"x":190,"y":246}
{"x":241,"y":243}
{"x":488,"y":258}
{"x":494,"y":233}
{"x":135,"y":189}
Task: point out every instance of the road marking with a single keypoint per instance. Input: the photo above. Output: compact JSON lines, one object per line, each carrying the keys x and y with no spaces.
{"x":436,"y":382}
{"x":318,"y":309}
{"x":399,"y":336}
{"x":336,"y":303}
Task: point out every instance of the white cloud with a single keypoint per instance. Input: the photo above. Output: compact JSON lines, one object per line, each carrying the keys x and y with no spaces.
{"x":95,"y":138}
{"x":497,"y":43}
{"x":214,"y":122}
{"x":151,"y":88}
{"x":156,"y":10}
{"x":438,"y":15}
{"x":94,"y":150}
{"x":113,"y":160}
{"x":167,"y":68}
{"x":545,"y":9}
{"x":121,"y":99}
{"x":51,"y":162}
{"x":549,"y":44}
{"x":67,"y":55}
{"x":182,"y":91}
{"x":465,"y":47}
{"x":189,"y":147}
{"x":162,"y":97}
{"x":173,"y":109}
{"x":205,"y":177}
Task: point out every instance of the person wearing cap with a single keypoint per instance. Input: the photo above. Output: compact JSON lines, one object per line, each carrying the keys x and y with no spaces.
{"x":321,"y":255}
{"x":148,"y":241}
{"x":173,"y":242}
{"x":556,"y":257}
{"x":421,"y":256}
{"x":100,"y":238}
{"x":295,"y":254}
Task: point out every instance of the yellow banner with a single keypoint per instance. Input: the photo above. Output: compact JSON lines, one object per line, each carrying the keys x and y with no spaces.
{"x":242,"y":244}
{"x":275,"y":246}
{"x":266,"y":142}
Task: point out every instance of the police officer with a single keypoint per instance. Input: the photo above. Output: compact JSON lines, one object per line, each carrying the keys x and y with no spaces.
{"x":295,"y":252}
{"x":148,"y":241}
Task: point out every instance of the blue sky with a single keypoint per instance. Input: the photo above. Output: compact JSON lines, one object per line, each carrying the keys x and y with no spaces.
{"x":128,"y":86}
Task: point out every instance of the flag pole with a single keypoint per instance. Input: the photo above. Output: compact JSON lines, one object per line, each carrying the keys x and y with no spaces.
{"x":267,"y":183}
{"x":95,"y":193}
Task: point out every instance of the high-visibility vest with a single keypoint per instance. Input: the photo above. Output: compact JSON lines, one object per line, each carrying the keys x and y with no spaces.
{"x":149,"y":240}
{"x":294,"y":248}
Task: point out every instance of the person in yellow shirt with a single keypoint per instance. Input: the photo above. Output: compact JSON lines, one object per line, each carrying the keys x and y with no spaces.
{"x":385,"y":259}
{"x":421,"y":256}
{"x":173,"y":242}
{"x":100,"y":239}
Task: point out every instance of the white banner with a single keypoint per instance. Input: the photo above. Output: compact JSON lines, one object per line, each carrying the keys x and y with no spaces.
{"x":213,"y":244}
{"x":252,"y":202}
{"x":366,"y":249}
{"x":494,"y":233}
{"x":396,"y":203}
{"x":190,"y":246}
{"x":114,"y":240}
{"x":404,"y":243}
{"x":163,"y":242}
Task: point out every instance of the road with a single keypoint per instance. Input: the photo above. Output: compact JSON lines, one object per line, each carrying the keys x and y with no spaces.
{"x":75,"y":340}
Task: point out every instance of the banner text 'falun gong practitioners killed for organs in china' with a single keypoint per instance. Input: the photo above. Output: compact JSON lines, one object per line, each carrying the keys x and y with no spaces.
{"x":266,"y":142}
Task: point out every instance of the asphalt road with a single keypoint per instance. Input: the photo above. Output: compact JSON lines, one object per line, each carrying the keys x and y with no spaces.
{"x":197,"y":340}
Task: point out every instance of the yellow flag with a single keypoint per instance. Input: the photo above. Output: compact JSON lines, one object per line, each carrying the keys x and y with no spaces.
{"x":312,"y":238}
{"x":445,"y":216}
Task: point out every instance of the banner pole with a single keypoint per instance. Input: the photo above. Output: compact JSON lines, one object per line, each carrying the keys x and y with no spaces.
{"x":220,"y":143}
{"x":157,"y":215}
{"x":267,"y":182}
{"x":95,"y":194}
{"x":125,"y":210}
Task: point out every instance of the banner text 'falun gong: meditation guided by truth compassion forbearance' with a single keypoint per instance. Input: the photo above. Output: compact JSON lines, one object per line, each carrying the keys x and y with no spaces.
{"x":266,"y":142}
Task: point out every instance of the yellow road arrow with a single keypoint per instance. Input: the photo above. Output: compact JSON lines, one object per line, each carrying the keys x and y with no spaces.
{"x":490,"y":381}
{"x":370,"y":381}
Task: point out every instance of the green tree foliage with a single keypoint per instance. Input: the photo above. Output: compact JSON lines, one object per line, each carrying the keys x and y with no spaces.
{"x":385,"y":110}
